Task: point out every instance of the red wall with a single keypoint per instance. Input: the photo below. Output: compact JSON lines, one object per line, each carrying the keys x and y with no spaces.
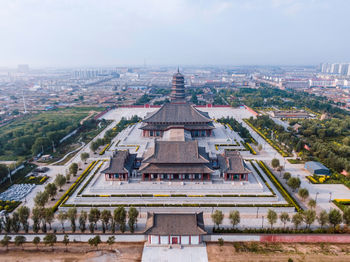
{"x":306,"y":238}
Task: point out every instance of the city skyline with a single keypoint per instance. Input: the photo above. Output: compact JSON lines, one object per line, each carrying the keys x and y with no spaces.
{"x":178,"y":32}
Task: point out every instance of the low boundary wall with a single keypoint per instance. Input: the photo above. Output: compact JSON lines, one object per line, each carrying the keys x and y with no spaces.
{"x":268,"y":238}
{"x":281,"y":238}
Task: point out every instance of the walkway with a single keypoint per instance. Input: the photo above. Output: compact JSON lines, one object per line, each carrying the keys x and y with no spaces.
{"x":175,"y":254}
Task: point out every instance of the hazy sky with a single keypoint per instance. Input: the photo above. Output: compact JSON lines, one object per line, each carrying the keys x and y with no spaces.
{"x":184,"y":32}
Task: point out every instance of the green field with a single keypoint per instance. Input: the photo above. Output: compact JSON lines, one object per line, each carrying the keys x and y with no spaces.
{"x":30,"y":134}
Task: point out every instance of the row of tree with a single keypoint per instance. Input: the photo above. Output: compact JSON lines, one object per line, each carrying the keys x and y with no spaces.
{"x":50,"y":239}
{"x":44,"y":217}
{"x":333,"y":218}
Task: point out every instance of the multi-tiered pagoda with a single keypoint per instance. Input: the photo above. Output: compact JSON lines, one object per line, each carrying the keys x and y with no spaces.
{"x":178,"y":114}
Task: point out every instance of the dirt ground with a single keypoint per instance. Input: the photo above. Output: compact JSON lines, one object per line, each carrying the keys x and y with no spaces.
{"x":76,"y":252}
{"x":261,"y":252}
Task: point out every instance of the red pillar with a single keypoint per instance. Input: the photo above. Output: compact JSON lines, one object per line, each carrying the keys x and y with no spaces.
{"x":143,"y":177}
{"x":189,"y":240}
{"x":208,"y":177}
{"x":202,"y":177}
{"x":159,"y":239}
{"x":225,"y":175}
{"x":246,"y":177}
{"x":240,"y":177}
{"x":231,"y":176}
{"x":180,"y":240}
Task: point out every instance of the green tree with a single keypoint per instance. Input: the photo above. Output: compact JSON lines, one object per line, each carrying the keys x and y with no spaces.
{"x":36,"y":214}
{"x":24,"y":213}
{"x":67,"y":177}
{"x":334,"y":217}
{"x":50,"y":239}
{"x":84,"y":156}
{"x":49,"y":216}
{"x":19,"y":241}
{"x":5,"y":242}
{"x":132,"y":214}
{"x":15,"y":222}
{"x":73,"y":169}
{"x":286,"y":176}
{"x":271,"y":217}
{"x":94,"y":216}
{"x":72,"y":216}
{"x":41,"y":199}
{"x":95,"y":241}
{"x":235,"y":218}
{"x":303,"y":193}
{"x":3,"y":171}
{"x":294,"y":183}
{"x":60,"y":180}
{"x":297,"y":219}
{"x":217,"y":217}
{"x":110,"y":241}
{"x":322,"y":218}
{"x":275,"y":163}
{"x":94,"y":146}
{"x":284,"y":217}
{"x":66,"y":241}
{"x":346,"y":216}
{"x":62,"y":217}
{"x":82,"y":221}
{"x":36,"y":242}
{"x":120,"y":218}
{"x":194,"y":99}
{"x":106,"y":216}
{"x":51,"y":189}
{"x":312,"y":203}
{"x":309,"y":217}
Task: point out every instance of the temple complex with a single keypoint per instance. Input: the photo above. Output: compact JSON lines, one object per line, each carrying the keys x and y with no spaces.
{"x":173,"y":152}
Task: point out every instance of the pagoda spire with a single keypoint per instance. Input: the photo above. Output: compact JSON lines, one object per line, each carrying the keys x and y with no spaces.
{"x":178,"y":87}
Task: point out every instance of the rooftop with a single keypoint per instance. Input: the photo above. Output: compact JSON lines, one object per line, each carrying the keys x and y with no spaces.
{"x":175,"y":224}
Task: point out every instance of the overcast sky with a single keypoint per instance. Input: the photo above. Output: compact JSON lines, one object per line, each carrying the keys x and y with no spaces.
{"x":173,"y":32}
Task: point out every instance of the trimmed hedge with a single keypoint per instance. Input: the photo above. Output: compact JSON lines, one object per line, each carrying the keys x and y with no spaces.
{"x":272,"y":143}
{"x":279,"y":186}
{"x":74,"y":186}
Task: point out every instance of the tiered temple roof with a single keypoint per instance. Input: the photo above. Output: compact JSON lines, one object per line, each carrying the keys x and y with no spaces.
{"x":176,"y":157}
{"x":178,"y":113}
{"x":121,"y":162}
{"x":231,"y":162}
{"x":175,"y":224}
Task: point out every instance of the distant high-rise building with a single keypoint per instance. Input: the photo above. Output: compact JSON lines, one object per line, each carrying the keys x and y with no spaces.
{"x":336,"y":68}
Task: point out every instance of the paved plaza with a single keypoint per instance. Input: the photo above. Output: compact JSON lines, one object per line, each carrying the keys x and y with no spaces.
{"x":174,"y":254}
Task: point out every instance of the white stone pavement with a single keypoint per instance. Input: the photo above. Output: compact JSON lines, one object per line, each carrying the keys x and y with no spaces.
{"x":174,"y":254}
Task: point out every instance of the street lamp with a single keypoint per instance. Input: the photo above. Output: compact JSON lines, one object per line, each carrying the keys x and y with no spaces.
{"x":262,"y":222}
{"x":330,"y":197}
{"x":316,"y":197}
{"x":9,"y":174}
{"x":257,"y":212}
